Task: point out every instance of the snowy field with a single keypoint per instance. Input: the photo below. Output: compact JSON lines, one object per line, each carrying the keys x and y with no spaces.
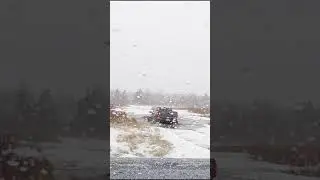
{"x":190,"y":143}
{"x":191,"y":139}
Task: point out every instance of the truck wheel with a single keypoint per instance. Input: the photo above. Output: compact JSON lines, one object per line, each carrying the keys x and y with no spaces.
{"x":174,"y":125}
{"x":175,"y":120}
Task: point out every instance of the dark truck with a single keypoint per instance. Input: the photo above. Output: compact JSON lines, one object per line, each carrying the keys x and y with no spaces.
{"x":163,"y":115}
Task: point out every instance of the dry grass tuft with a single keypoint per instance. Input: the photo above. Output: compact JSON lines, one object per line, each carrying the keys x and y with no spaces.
{"x":120,"y":117}
{"x":139,"y":133}
{"x":203,"y":111}
{"x":160,"y":147}
{"x":135,"y":137}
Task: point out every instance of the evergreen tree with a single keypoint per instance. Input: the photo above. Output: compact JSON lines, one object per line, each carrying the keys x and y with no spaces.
{"x":138,"y":98}
{"x":124,"y":98}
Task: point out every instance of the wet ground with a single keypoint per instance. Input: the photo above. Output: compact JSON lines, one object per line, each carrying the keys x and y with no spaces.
{"x":154,"y":168}
{"x":231,"y":166}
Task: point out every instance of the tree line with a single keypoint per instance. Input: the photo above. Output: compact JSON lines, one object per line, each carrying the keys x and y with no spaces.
{"x":145,"y":97}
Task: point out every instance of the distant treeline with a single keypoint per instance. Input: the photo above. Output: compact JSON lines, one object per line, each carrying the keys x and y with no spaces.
{"x":144,"y":97}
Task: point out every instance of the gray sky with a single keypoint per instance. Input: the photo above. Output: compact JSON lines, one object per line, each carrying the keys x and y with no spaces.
{"x":160,"y":46}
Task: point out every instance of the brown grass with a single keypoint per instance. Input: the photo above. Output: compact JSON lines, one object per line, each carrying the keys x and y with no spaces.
{"x":161,"y":147}
{"x":121,"y":120}
{"x":203,"y":111}
{"x":118,"y":117}
{"x":132,"y":139}
{"x":136,"y":134}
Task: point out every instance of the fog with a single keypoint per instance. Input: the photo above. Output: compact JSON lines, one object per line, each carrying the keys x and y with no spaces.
{"x":160,"y":46}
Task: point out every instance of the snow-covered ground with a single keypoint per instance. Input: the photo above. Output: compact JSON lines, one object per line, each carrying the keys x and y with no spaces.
{"x":137,"y":111}
{"x":190,"y":140}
